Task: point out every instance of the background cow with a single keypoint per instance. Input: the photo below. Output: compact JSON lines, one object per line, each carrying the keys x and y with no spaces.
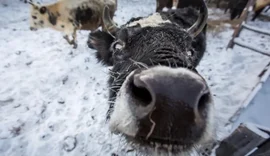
{"x":176,"y":4}
{"x":157,"y":98}
{"x":165,"y":3}
{"x":236,"y":7}
{"x":259,"y":6}
{"x":69,"y":16}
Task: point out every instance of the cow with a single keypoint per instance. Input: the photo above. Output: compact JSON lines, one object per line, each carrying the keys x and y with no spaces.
{"x":160,"y":4}
{"x":267,"y":8}
{"x":68,"y":16}
{"x":236,"y":8}
{"x":230,"y":6}
{"x":176,"y":4}
{"x":157,"y":99}
{"x":259,"y":6}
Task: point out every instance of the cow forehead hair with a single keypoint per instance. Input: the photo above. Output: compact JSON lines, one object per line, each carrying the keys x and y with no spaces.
{"x":151,"y":21}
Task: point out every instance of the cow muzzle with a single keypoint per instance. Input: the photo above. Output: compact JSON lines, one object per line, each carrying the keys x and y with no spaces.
{"x":163,"y":105}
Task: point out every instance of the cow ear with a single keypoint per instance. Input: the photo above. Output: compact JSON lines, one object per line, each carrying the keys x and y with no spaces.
{"x":101,"y":41}
{"x":33,"y":4}
{"x":128,"y":32}
{"x":43,"y":10}
{"x":134,"y":30}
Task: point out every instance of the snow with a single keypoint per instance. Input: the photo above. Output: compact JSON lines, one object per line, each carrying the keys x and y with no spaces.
{"x":53,"y":99}
{"x":258,"y":110}
{"x":240,"y":42}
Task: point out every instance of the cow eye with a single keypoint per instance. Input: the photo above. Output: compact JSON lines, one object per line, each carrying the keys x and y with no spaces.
{"x":189,"y":53}
{"x":43,"y":10}
{"x":119,"y":45}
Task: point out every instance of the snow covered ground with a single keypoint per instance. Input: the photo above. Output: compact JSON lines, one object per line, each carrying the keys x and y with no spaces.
{"x":258,"y":110}
{"x":53,"y":99}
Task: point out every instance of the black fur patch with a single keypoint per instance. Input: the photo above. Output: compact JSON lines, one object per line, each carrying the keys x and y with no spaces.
{"x":34,"y":17}
{"x":52,"y":19}
{"x":43,"y":10}
{"x":133,"y":19}
{"x":62,"y":26}
{"x":101,"y":41}
{"x":83,"y":15}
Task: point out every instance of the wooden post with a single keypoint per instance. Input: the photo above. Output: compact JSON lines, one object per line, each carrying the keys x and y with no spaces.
{"x":251,"y":48}
{"x":243,"y":18}
{"x":235,"y":34}
{"x":261,"y":31}
{"x":262,"y":150}
{"x":242,"y":141}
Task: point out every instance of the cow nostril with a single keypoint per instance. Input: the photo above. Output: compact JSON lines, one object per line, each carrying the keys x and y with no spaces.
{"x":202,"y":104}
{"x":140,"y":93}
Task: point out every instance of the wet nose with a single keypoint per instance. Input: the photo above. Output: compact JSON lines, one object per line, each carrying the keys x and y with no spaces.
{"x":181,"y":94}
{"x":33,"y":29}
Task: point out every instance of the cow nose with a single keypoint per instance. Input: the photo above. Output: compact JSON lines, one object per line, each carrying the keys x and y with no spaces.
{"x":180,"y":94}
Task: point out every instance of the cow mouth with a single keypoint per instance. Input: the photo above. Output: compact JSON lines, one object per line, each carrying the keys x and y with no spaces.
{"x":161,"y":145}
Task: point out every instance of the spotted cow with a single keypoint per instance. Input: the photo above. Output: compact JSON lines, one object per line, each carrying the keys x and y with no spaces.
{"x":68,"y":16}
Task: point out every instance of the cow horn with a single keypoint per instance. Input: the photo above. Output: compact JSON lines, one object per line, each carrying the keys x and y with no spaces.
{"x":108,"y":23}
{"x":198,"y":26}
{"x":31,"y":2}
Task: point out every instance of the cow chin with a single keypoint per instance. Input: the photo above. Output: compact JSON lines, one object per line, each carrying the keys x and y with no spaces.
{"x":164,"y":109}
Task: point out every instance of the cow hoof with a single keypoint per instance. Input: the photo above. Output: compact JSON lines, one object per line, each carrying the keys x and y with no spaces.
{"x":65,"y":37}
{"x":75,"y":45}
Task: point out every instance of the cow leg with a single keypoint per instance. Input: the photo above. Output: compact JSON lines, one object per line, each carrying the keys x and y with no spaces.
{"x":239,"y":13}
{"x":257,"y":13}
{"x":74,"y":36}
{"x":234,"y":14}
{"x":218,"y":4}
{"x":159,"y":7}
{"x":67,"y":39}
{"x":175,"y":3}
{"x":73,"y":41}
{"x":267,"y":9}
{"x":226,"y":9}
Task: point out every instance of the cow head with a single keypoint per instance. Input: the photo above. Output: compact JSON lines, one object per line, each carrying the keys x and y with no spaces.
{"x":157,"y":98}
{"x":40,"y":16}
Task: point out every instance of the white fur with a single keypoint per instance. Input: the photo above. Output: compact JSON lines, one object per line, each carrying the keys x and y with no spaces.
{"x":163,"y":70}
{"x":152,"y":21}
{"x":210,"y":131}
{"x":165,"y":9}
{"x":122,"y":119}
{"x":175,"y":3}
